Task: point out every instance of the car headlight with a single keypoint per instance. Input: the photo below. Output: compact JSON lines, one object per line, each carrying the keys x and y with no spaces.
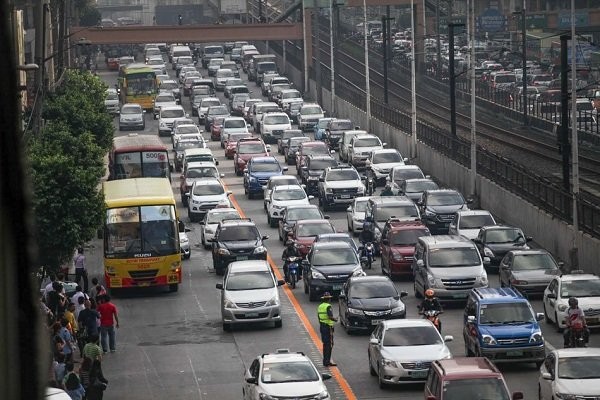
{"x":328,"y":190}
{"x":488,"y":340}
{"x":223,"y":252}
{"x":389,"y":363}
{"x":562,"y":307}
{"x":323,"y":395}
{"x":487,"y":252}
{"x":109,"y":270}
{"x":274,"y":301}
{"x":228,"y":303}
{"x":184,"y":240}
{"x":317,"y":275}
{"x":431,"y":280}
{"x":536,"y":338}
{"x":400,"y":308}
{"x":313,"y":178}
{"x":259,"y":250}
{"x":358,"y":272}
{"x":355,"y":311}
{"x":563,"y":396}
{"x":252,"y":180}
{"x":195,"y":202}
{"x":429,"y":214}
{"x":264,"y":396}
{"x":397,"y":257}
{"x":175,"y":266}
{"x":483,"y":279}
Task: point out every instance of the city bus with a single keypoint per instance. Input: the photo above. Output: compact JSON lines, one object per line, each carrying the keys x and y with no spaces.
{"x":141,"y":234}
{"x":138,"y":84}
{"x":138,"y":156}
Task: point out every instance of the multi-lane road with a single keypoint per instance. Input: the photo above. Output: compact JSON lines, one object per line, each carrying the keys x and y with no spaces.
{"x":171,"y":345}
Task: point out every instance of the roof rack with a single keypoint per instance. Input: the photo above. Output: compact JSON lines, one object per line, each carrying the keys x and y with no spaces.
{"x":577,"y":272}
{"x":236,"y":219}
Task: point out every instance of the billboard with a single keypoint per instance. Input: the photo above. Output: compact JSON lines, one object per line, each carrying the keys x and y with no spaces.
{"x":233,"y":7}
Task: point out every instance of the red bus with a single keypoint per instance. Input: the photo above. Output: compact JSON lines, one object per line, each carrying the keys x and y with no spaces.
{"x":138,"y":156}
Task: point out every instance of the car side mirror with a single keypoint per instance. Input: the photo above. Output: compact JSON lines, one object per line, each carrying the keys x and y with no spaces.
{"x":219,"y":286}
{"x":529,"y":239}
{"x":325,"y":376}
{"x":420,"y":263}
{"x":384,"y":144}
{"x":280,"y":282}
{"x":187,"y":194}
{"x":265,"y":237}
{"x":268,"y":147}
{"x":349,"y":209}
{"x":551,"y":296}
{"x":217,"y":163}
{"x":403,"y":294}
{"x":405,"y":159}
{"x":547,"y":376}
{"x":245,"y":170}
{"x":373,"y":341}
{"x":469,"y":201}
{"x":284,"y":169}
{"x":251,"y":379}
{"x":155,"y":116}
{"x":517,"y":396}
{"x":326,"y":217}
{"x":181,"y":226}
{"x":540,"y":316}
{"x":486,"y":261}
{"x":448,"y":338}
{"x":471,"y":319}
{"x":321,"y":179}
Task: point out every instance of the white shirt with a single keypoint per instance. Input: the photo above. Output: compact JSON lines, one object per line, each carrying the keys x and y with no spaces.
{"x":76,"y":296}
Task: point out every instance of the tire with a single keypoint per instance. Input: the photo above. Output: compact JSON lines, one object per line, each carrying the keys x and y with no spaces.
{"x":417,"y":294}
{"x":293,"y":280}
{"x":312,"y":296}
{"x":174,"y":287}
{"x":305,"y":284}
{"x":273,"y":223}
{"x":226,"y":327}
{"x":371,"y":369}
{"x":278,"y":324}
{"x":546,"y":320}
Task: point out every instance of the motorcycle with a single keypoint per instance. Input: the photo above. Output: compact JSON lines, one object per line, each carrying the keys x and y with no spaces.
{"x":433,"y":317}
{"x":293,"y":270}
{"x":370,"y":186}
{"x":576,"y":336}
{"x":368,"y":253}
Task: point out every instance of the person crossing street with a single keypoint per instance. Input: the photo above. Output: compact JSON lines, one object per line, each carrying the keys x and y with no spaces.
{"x":326,"y":322}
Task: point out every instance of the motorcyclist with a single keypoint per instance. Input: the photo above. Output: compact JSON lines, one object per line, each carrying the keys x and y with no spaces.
{"x":367,"y":235}
{"x":387,"y":191}
{"x":575,"y":317}
{"x":431,"y":303}
{"x":290,"y":250}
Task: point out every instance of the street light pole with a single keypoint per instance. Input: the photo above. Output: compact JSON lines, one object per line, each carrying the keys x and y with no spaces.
{"x":574,"y":141}
{"x":471,"y":34}
{"x":413,"y":84}
{"x":524,"y":45}
{"x":305,"y":13}
{"x":452,"y":78}
{"x":367,"y":78}
{"x":332,"y":58}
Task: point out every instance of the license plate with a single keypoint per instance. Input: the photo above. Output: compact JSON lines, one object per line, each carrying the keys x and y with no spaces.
{"x":115,"y":282}
{"x":144,"y":284}
{"x":419,"y":374}
{"x":459,"y":296}
{"x":173,"y":279}
{"x":277,"y":132}
{"x":241,"y":258}
{"x":514,"y":353}
{"x":592,"y":320}
{"x":252,"y":315}
{"x":375,"y":321}
{"x":337,"y":287}
{"x":345,"y":196}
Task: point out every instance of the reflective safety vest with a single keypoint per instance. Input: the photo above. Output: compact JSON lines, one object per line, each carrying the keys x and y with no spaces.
{"x":323,"y":316}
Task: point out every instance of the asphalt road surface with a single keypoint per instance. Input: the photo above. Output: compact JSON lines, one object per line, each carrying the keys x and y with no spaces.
{"x":171,"y":345}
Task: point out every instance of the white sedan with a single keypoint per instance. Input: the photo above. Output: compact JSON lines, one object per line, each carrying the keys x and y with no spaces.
{"x":584,"y":287}
{"x":283,"y":196}
{"x":211,"y":222}
{"x":570,"y":374}
{"x":355,"y":214}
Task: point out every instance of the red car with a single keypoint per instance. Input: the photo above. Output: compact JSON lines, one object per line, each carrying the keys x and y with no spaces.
{"x":397,"y":246}
{"x":309,"y":148}
{"x":215,"y":128}
{"x":305,"y":231}
{"x":231,"y":143}
{"x":245,"y":150}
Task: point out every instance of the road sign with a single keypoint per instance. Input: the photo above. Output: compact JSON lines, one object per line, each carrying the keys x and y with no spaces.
{"x":491,"y":20}
{"x":233,"y":7}
{"x":444,"y":21}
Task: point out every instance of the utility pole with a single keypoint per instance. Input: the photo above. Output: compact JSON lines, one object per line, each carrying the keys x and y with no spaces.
{"x":438,"y":44}
{"x":332,"y":58}
{"x":471,"y":35}
{"x":317,"y":27}
{"x":564,"y":108}
{"x":574,"y":142}
{"x":385,"y":23}
{"x":413,"y":83}
{"x":524,"y":45}
{"x":452,"y":77}
{"x":367,"y":69}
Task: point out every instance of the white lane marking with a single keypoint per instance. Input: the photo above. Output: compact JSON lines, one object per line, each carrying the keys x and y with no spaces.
{"x":196,"y":379}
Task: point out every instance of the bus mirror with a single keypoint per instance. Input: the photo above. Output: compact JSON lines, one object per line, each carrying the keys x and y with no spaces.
{"x":99,"y":233}
{"x":181,"y":226}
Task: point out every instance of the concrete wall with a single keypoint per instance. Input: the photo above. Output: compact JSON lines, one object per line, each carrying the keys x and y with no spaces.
{"x":549,"y":232}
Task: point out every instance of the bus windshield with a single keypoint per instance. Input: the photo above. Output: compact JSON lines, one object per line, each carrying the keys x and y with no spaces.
{"x":142,"y":83}
{"x":146,"y":229}
{"x":141,"y":164}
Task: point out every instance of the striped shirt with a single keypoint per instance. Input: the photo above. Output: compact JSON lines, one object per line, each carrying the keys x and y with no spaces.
{"x":93,"y":351}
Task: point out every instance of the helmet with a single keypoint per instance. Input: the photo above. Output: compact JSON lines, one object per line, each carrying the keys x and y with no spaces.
{"x":573,"y":301}
{"x":429,"y":293}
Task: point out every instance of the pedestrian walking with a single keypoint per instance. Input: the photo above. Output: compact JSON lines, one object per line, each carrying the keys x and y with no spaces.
{"x":326,"y":322}
{"x":92,"y":349}
{"x":97,"y":289}
{"x":108,"y":317}
{"x":98,"y":382}
{"x":80,"y":269}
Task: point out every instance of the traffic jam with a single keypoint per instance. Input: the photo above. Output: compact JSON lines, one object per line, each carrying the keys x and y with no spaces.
{"x":292,"y":205}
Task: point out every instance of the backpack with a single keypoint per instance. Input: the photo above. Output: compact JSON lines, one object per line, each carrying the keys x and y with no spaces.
{"x":72,"y":382}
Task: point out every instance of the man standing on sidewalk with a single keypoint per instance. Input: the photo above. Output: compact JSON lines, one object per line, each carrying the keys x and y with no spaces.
{"x":108,"y":317}
{"x":80,"y":270}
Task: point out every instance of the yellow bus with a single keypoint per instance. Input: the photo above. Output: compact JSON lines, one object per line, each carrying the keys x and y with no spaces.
{"x":141,"y":234}
{"x":137,"y":83}
{"x":138,"y":156}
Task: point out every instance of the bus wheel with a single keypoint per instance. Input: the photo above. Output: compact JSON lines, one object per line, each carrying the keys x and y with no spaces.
{"x":173,"y":287}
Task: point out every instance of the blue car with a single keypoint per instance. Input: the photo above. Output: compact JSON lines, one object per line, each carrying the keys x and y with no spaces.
{"x":257,"y":174}
{"x":321,"y":127}
{"x":500,"y":324}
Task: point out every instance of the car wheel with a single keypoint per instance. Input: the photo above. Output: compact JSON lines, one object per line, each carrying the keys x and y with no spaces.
{"x":312,"y":296}
{"x":305,"y":284}
{"x":417,"y":294}
{"x":278,"y":324}
{"x":279,"y":234}
{"x":269,"y":219}
{"x":371,"y":369}
{"x":226,"y":327}
{"x":547,"y":320}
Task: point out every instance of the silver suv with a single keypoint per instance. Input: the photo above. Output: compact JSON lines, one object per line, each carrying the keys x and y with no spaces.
{"x":339,"y":186}
{"x":249,"y":294}
{"x":450,"y":265}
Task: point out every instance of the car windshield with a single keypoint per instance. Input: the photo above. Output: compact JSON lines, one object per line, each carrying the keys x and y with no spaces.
{"x":266,"y":167}
{"x":512,"y":235}
{"x":234,"y":137}
{"x":373,"y":290}
{"x":202,"y":172}
{"x":336,"y":256}
{"x":384,"y":213}
{"x":224,"y":73}
{"x":475,"y":221}
{"x":341,"y":126}
{"x":155,"y":61}
{"x":216,"y":217}
{"x":213,"y":50}
{"x":411,"y":336}
{"x":483,"y":388}
{"x":367,"y":142}
{"x":311,"y":110}
{"x":305,"y":230}
{"x":210,"y":103}
{"x":579,"y":367}
{"x":169,"y":85}
{"x":343,"y":175}
{"x":289,"y":180}
{"x":249,"y":280}
{"x":296,"y":214}
{"x":112,"y":96}
{"x":289,"y":194}
{"x":505,"y":78}
{"x":322,"y":164}
{"x":188,"y":129}
{"x":580,"y":288}
{"x":407,"y":237}
{"x":454,"y":257}
{"x":445,"y":199}
{"x":401,"y":175}
{"x":505,"y":313}
{"x":188,"y":144}
{"x":526,"y":262}
{"x":295,"y":142}
{"x":131,"y":110}
{"x":322,"y":124}
{"x":238,"y":233}
{"x":381,"y":158}
{"x":234,"y":123}
{"x":251,"y":148}
{"x":284,"y":372}
{"x":276,"y":120}
{"x":360,"y":206}
{"x":177,"y":113}
{"x":291,"y":95}
{"x":202,"y":89}
{"x":420,"y":186}
{"x":208,"y":190}
{"x":218,"y":110}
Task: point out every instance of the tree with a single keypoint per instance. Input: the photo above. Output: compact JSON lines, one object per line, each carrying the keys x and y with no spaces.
{"x":68,"y":207}
{"x":79,"y":103}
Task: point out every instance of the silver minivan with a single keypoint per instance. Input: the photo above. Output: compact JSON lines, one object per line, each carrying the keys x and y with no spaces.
{"x":249,"y":294}
{"x":450,"y":265}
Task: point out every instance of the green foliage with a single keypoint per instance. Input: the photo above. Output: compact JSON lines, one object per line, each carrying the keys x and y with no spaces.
{"x":79,"y":103}
{"x":68,"y":207}
{"x":90,"y":16}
